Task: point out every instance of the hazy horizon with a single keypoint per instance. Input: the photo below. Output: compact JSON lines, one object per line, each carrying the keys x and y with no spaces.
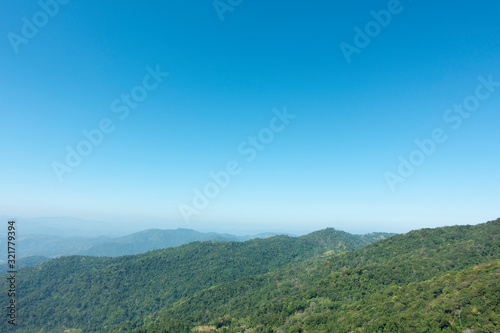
{"x":91,"y":228}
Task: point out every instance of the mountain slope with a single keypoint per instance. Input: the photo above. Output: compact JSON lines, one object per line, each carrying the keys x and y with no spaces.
{"x":152,"y":239}
{"x":95,"y":293}
{"x":51,"y":246}
{"x":313,"y":295}
{"x":458,"y":301}
{"x":54,"y":246}
{"x":24,"y":262}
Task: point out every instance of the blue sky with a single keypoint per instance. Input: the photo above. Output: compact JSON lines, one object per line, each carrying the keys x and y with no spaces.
{"x":327,"y":167}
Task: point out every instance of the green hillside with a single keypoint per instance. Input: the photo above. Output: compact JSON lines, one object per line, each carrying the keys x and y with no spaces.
{"x":459,"y":301}
{"x":428,"y":280}
{"x":152,"y":239}
{"x":24,"y":262}
{"x":91,"y":293}
{"x":51,"y":246}
{"x":324,"y":295}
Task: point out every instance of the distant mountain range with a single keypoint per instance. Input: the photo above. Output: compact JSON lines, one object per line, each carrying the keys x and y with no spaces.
{"x":428,"y":280}
{"x":35,"y":249}
{"x":154,"y":239}
{"x":76,"y":227}
{"x":70,"y":287}
{"x":47,"y":246}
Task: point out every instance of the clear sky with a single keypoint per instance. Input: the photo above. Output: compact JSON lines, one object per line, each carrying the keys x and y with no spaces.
{"x":310,"y":110}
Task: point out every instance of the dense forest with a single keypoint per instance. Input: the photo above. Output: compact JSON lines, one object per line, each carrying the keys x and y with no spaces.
{"x":52,"y":246}
{"x":24,"y":262}
{"x":429,"y":280}
{"x":92,"y":293}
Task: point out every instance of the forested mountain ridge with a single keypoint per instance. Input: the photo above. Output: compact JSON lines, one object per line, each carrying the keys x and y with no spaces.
{"x":428,"y":280}
{"x":458,"y":301}
{"x":153,"y":239}
{"x":92,"y":292}
{"x":24,"y":262}
{"x":51,"y":246}
{"x":415,"y":282}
